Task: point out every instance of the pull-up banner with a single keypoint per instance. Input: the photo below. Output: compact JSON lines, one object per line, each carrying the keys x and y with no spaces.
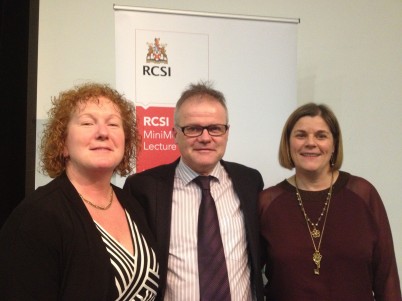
{"x":252,"y":60}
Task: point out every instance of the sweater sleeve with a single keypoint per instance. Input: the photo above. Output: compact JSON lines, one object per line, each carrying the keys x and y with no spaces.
{"x":386,"y":285}
{"x":29,"y":257}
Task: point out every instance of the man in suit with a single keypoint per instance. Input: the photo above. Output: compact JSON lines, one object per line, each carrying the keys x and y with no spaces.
{"x":171,"y":199}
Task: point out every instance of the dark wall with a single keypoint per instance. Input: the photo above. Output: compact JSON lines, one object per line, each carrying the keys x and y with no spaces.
{"x":18,"y":69}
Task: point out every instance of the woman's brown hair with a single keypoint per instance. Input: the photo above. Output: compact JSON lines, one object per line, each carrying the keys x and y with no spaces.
{"x":312,"y":110}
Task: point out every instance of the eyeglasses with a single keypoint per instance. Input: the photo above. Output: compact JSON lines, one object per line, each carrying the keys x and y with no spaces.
{"x":214,"y":130}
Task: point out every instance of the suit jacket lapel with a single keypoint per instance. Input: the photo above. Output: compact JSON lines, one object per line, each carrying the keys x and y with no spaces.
{"x":245,"y":187}
{"x":163,"y":216}
{"x":239,"y":185}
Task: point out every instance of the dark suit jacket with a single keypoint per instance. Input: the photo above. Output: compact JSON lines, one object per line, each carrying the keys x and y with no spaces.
{"x":153,"y":188}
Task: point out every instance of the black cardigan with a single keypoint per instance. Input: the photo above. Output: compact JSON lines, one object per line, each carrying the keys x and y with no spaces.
{"x":50,"y":248}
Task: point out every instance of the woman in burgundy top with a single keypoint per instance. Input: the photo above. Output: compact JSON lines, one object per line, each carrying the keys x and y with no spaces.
{"x":326,"y":234}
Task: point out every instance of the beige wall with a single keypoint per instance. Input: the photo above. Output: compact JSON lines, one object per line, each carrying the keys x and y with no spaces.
{"x":349,"y":56}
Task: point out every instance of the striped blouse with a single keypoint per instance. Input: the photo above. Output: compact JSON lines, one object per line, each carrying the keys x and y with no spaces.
{"x":136,"y":277}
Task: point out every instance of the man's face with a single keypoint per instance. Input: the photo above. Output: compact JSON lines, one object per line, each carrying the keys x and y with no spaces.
{"x":201,"y":153}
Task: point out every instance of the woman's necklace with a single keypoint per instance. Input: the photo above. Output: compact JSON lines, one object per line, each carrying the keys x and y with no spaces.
{"x":313,"y":231}
{"x":97,"y":206}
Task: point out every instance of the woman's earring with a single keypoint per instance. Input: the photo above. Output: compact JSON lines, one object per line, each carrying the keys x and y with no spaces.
{"x":331,"y":161}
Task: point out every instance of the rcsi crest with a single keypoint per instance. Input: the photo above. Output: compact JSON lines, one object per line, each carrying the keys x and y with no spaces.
{"x":157,"y":52}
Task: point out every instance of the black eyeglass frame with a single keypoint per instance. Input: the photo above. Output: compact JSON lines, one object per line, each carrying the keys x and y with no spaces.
{"x":208,"y":128}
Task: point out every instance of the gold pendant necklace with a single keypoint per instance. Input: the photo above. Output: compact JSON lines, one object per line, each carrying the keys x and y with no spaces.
{"x":314,"y":232}
{"x":97,"y":206}
{"x":312,"y":228}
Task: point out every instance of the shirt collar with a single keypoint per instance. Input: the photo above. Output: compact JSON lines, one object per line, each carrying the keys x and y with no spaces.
{"x":186,"y":174}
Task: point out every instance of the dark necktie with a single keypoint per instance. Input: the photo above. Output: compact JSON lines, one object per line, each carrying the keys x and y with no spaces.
{"x":213,"y":274}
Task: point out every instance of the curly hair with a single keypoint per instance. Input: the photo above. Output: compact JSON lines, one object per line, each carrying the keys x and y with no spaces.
{"x":53,"y":163}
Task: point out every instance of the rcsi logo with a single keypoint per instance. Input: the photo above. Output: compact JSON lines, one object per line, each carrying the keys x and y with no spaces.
{"x":158,"y":146}
{"x":157,"y":52}
{"x":156,"y":55}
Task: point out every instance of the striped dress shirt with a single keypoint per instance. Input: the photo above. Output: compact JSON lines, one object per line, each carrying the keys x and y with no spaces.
{"x":182,"y":276}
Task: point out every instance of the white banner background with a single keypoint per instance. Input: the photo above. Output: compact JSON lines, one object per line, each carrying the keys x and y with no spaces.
{"x":252,"y":61}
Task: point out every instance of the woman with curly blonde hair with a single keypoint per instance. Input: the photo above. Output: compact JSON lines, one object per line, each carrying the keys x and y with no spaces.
{"x":54,"y":134}
{"x":80,"y":237}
